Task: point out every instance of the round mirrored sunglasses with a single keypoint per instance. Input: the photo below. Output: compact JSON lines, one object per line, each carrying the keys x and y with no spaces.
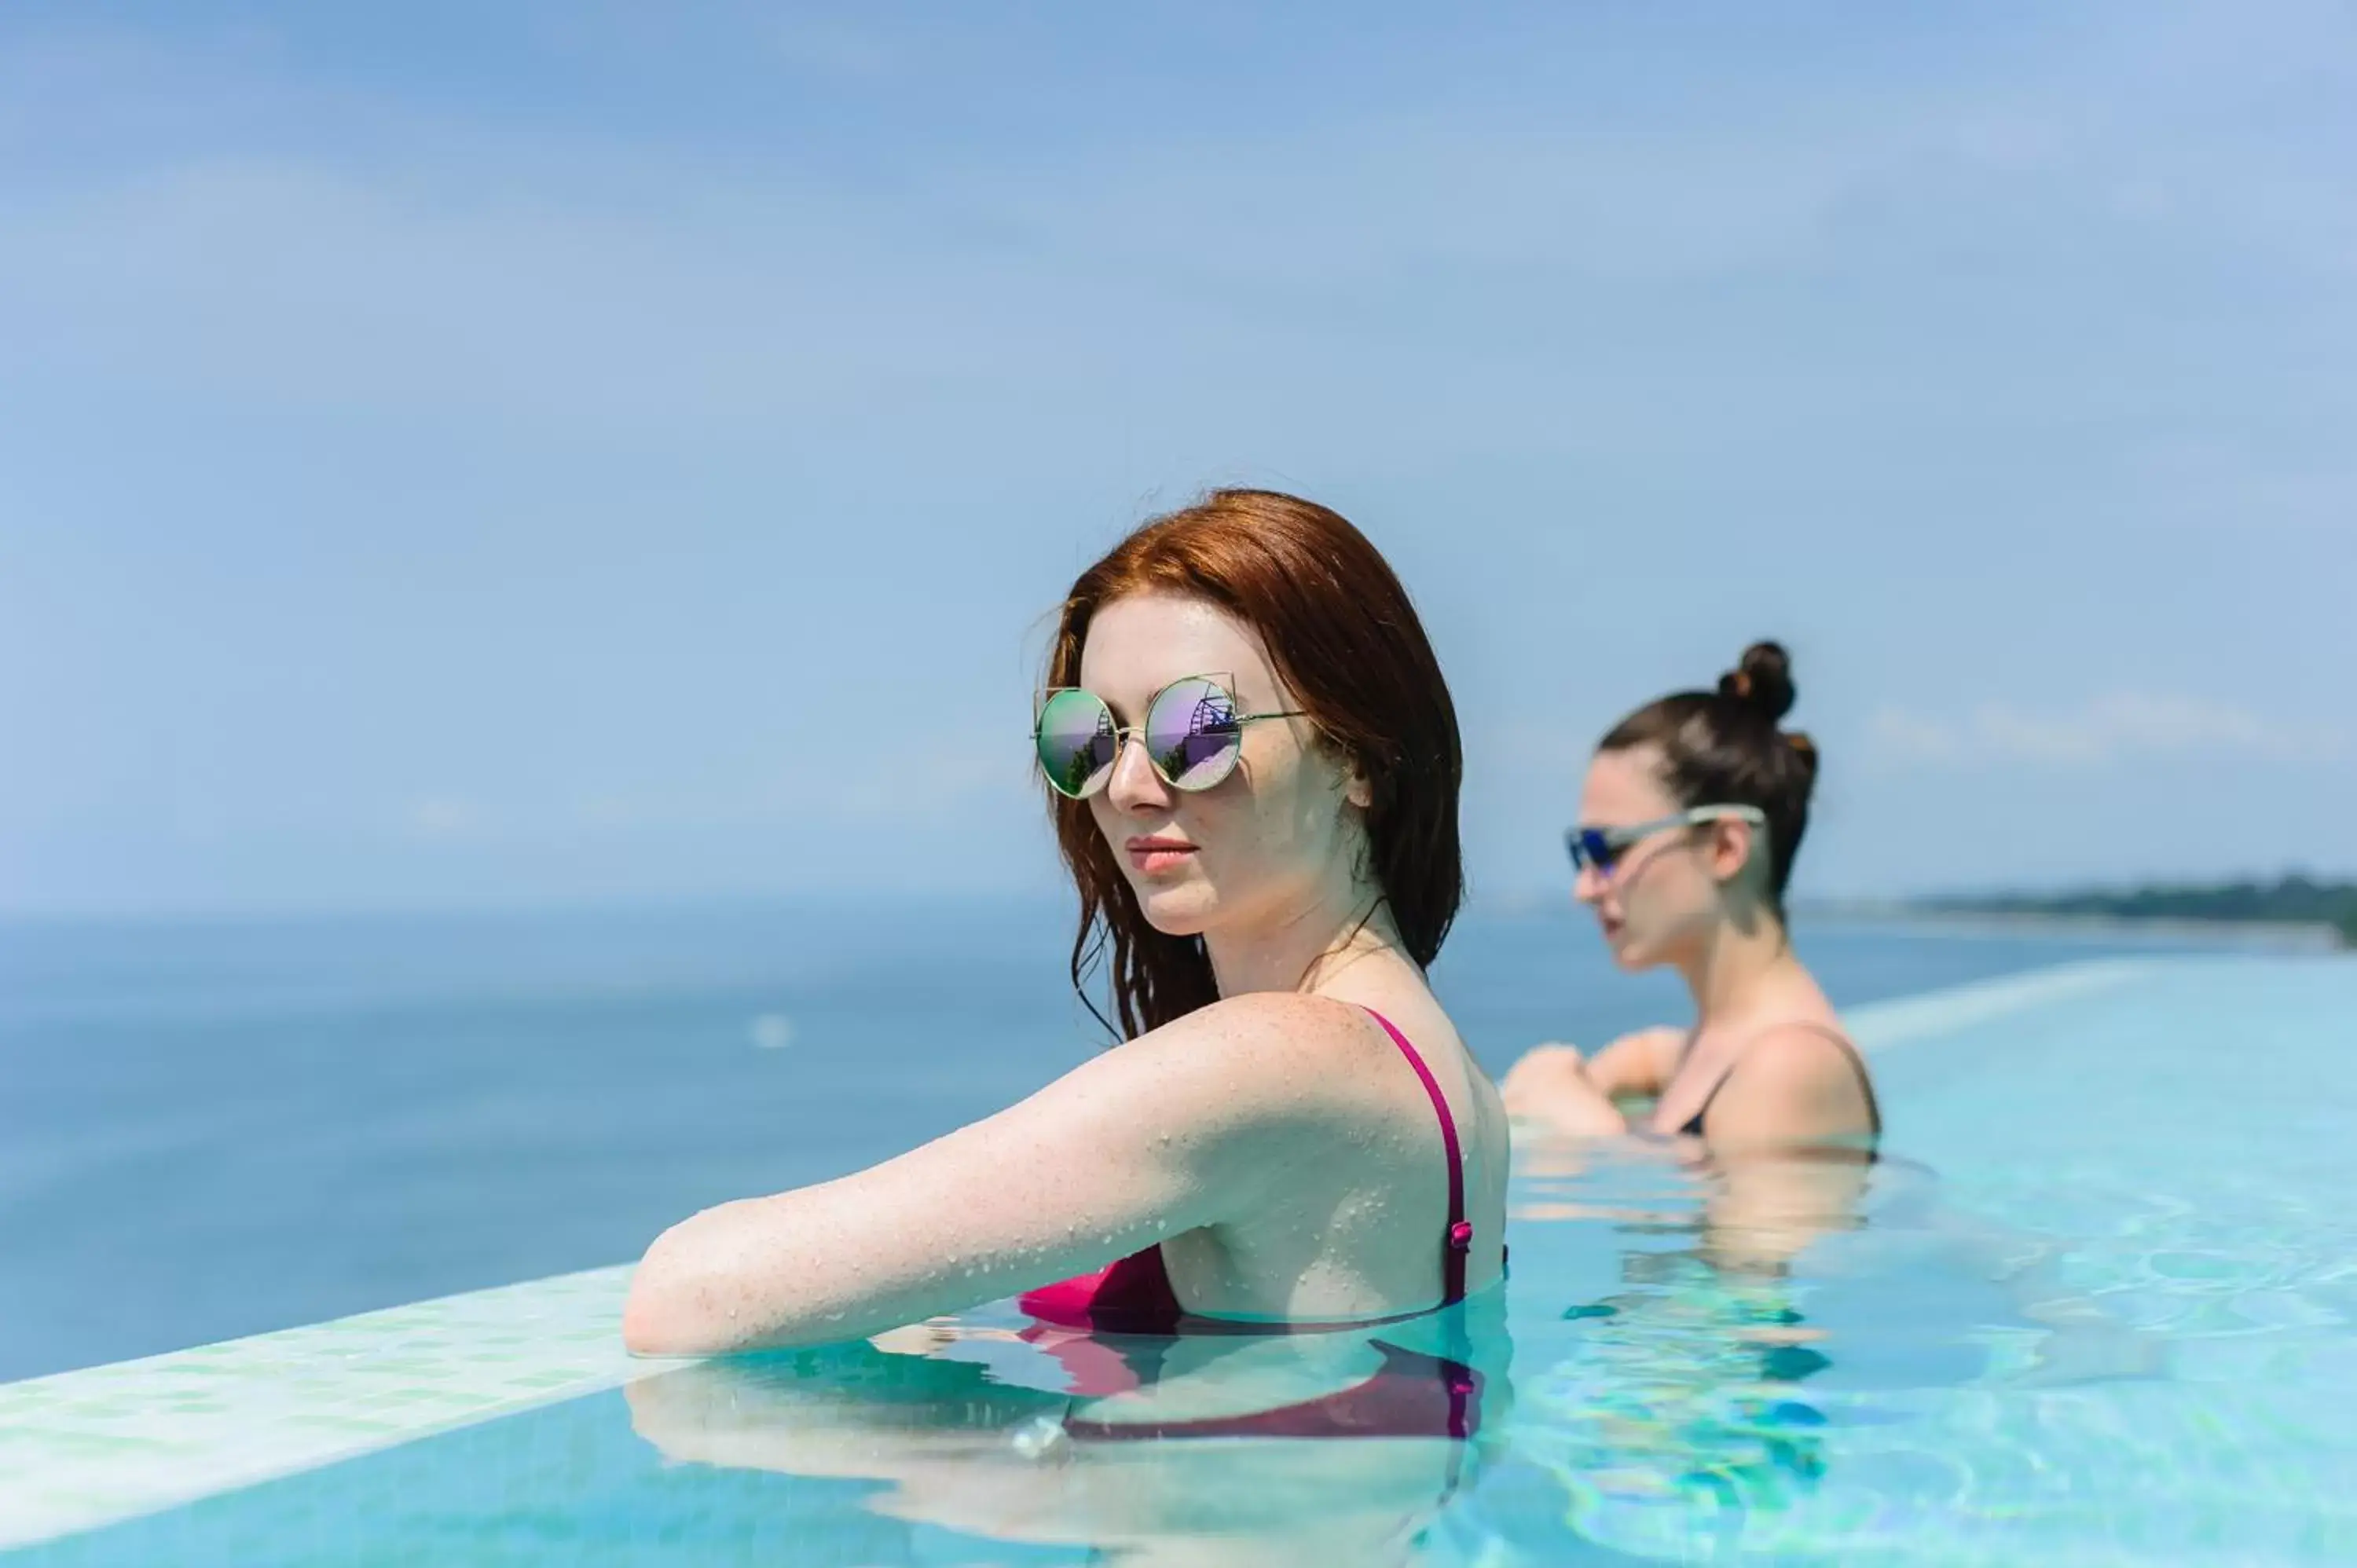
{"x":1192,"y":734}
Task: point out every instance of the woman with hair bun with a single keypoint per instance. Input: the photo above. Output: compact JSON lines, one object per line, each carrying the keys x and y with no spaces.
{"x":1692,"y":810}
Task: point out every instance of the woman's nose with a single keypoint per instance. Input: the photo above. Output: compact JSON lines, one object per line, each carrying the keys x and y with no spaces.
{"x":1589,"y":885}
{"x":1134,"y":787}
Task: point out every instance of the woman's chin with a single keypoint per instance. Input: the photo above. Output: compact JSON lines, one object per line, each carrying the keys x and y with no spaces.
{"x":1176,"y":909}
{"x":1631,"y":956}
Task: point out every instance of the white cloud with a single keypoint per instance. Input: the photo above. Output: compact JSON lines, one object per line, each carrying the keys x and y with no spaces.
{"x":441,"y":818}
{"x":1894,"y":735}
{"x":1531,"y":748}
{"x":2121,"y":728}
{"x":916,"y":779}
{"x":829,"y":47}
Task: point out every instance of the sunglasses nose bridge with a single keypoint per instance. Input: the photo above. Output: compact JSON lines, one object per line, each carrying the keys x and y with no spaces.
{"x":1591,"y":865}
{"x":1132,"y":778}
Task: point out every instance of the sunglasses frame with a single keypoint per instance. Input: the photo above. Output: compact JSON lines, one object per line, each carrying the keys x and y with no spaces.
{"x":1602,"y":847}
{"x":1123,"y":733}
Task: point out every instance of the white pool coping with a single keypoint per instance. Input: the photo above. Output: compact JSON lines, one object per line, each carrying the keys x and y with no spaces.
{"x":1879,"y":1025}
{"x":87,"y":1449}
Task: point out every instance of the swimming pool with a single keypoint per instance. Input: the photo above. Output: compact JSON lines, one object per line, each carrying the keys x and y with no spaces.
{"x":2098,"y":1312}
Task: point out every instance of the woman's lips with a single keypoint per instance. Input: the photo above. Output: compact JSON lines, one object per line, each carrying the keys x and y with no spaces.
{"x":1152,"y":854}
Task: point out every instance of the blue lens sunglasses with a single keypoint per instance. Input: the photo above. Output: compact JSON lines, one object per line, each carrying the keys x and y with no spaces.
{"x":1601,"y":847}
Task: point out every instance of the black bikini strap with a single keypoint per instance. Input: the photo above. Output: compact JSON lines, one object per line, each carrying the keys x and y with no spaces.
{"x":1857,"y":1063}
{"x":1848,"y":1048}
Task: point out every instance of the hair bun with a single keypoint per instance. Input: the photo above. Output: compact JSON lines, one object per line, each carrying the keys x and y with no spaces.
{"x":1762,"y":681}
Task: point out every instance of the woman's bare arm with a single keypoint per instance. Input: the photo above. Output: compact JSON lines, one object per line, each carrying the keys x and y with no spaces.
{"x":1552,"y":1087}
{"x":1637,"y":1064}
{"x":1180,"y":1128}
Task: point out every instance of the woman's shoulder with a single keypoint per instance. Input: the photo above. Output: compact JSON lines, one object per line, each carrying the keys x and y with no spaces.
{"x":1296,"y":1047}
{"x":1807,"y":1039}
{"x":1285,"y":1029}
{"x":1799,"y":1056}
{"x":1259,"y":1030}
{"x":1287,"y":1013}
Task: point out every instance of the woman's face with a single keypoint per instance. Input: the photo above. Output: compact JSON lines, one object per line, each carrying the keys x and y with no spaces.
{"x":1266,"y":843}
{"x":1663,"y":893}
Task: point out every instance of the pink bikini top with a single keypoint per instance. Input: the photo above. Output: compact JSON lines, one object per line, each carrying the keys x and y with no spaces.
{"x":1133,"y":1295}
{"x":1413,"y":1394}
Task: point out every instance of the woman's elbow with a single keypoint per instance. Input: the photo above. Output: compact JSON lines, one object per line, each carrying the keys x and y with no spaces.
{"x":675,"y":1305}
{"x":652,"y":1325}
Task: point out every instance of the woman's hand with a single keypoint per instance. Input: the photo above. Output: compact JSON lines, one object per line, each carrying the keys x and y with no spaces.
{"x":1550,"y":1087}
{"x":1540,"y":1069}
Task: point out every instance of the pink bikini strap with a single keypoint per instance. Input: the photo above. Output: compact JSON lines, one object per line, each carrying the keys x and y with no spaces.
{"x":1460,"y":1236}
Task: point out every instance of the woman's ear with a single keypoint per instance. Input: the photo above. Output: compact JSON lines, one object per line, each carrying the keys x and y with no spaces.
{"x":1733,"y":843}
{"x":1358,"y":786}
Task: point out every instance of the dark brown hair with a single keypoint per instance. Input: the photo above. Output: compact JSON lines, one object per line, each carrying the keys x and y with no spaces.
{"x":1347,"y":643}
{"x":1724,"y":747}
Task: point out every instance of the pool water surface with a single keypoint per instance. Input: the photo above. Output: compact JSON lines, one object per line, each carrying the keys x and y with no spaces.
{"x":2096,"y":1307}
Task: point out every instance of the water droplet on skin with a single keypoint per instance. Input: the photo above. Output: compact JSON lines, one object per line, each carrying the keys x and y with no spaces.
{"x":1040,"y":1437}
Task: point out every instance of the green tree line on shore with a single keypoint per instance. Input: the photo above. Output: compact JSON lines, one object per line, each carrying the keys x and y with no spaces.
{"x":2289,"y":900}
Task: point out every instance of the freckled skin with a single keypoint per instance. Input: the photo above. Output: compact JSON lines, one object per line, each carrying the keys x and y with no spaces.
{"x":1275,"y":1143}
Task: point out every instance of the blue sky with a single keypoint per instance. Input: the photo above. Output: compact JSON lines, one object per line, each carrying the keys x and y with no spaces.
{"x":458,"y":454}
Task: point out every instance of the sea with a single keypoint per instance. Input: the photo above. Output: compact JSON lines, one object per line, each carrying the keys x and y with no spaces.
{"x":216,"y":1128}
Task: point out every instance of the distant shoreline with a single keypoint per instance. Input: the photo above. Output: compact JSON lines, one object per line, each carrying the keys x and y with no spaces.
{"x":2303,"y":936}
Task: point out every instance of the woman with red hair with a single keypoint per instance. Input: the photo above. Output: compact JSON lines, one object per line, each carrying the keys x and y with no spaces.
{"x":1253,"y":765}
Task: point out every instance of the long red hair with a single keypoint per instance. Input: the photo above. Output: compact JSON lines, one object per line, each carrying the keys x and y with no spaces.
{"x":1347,"y":642}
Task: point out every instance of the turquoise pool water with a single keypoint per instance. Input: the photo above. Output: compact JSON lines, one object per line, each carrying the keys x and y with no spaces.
{"x":2097,"y":1310}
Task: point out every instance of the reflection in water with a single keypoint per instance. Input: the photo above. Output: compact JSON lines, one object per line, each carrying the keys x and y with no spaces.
{"x":1698,"y":1352}
{"x":1680,"y":1395}
{"x":1758,"y":1316}
{"x":1326,"y":1445}
{"x":1684,"y":1393}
